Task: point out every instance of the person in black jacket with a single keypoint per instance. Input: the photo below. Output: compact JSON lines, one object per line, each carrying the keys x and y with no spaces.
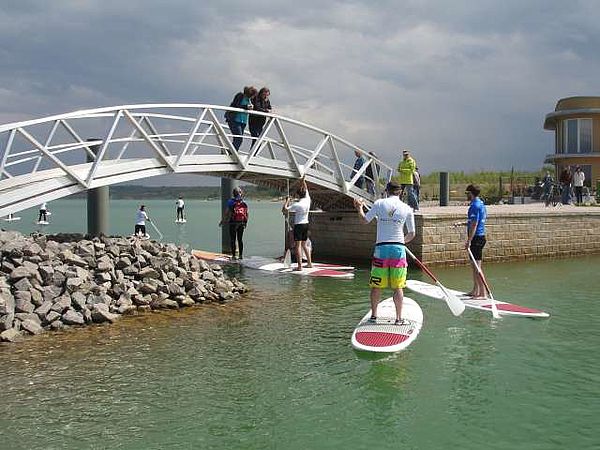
{"x":237,"y":120}
{"x":261,"y":103}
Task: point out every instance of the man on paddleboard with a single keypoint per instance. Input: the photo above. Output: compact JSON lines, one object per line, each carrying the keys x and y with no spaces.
{"x":180,"y":207}
{"x":300,"y":209}
{"x":140,"y":221}
{"x":389,"y":258}
{"x":476,"y":218}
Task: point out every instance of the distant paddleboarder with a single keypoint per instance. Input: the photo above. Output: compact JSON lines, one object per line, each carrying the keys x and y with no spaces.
{"x":43,"y":216}
{"x":140,"y":221}
{"x":180,"y":207}
{"x":389,"y":258}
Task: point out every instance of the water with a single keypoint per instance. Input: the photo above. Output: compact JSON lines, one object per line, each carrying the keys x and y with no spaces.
{"x":276,"y":369}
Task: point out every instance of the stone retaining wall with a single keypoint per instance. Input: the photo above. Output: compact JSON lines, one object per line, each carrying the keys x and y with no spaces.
{"x":511,"y":235}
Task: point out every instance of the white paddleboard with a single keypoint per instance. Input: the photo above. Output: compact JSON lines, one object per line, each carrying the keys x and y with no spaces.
{"x":11,"y":219}
{"x":141,"y":237}
{"x":504,"y":308}
{"x":272,"y":265}
{"x":180,"y":221}
{"x":385,"y":337}
{"x":43,"y":222}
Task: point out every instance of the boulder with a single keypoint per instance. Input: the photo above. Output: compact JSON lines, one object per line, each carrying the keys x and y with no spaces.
{"x":78,"y":300}
{"x":51,"y":292}
{"x":32,"y":249}
{"x":148,"y":272}
{"x":72,"y":317}
{"x":61,"y":304}
{"x":58,"y":279}
{"x":123,"y":262}
{"x":23,"y":305}
{"x":73,"y":284}
{"x":31,"y":327}
{"x":167,"y":303}
{"x":43,"y":310}
{"x":52,"y":316}
{"x":175,"y":289}
{"x":148,"y":288}
{"x":70,"y":258}
{"x":6,"y":321}
{"x":208,"y":276}
{"x":20,"y":272}
{"x":7,"y":302}
{"x":100,"y":314}
{"x":22,"y":285}
{"x":36,"y":297}
{"x":27,"y":316}
{"x":10,"y":335}
{"x":57,"y":325}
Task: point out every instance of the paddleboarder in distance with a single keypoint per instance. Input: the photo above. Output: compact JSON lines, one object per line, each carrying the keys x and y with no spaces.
{"x":180,"y":207}
{"x":389,"y":264}
{"x":43,"y":216}
{"x":236,"y":215}
{"x":140,"y":221}
{"x":300,"y":209}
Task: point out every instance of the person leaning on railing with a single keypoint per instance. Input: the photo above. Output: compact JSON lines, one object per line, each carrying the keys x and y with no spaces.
{"x":237,"y":120}
{"x":261,"y":103}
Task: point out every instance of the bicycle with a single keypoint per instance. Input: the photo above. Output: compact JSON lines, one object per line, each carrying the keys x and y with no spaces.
{"x":554,"y":195}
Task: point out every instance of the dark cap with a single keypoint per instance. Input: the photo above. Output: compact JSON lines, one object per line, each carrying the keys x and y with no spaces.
{"x":392,"y":186}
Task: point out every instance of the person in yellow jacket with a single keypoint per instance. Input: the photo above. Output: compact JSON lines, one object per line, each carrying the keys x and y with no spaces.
{"x":406,"y":168}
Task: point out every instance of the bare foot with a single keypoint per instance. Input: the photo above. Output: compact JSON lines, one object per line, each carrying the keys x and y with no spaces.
{"x":298,"y":269}
{"x":309,"y":266}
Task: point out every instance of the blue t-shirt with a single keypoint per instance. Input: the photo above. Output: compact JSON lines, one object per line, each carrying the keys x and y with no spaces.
{"x":239,"y":116}
{"x":232,"y":201}
{"x":477,"y":214}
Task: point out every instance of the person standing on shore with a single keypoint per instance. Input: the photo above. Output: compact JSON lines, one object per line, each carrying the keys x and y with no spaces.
{"x":578,"y":180}
{"x":237,"y":120}
{"x":256,"y":123}
{"x":406,"y":168}
{"x":301,"y":210}
{"x":140,"y":222}
{"x":389,"y":264}
{"x":43,"y":215}
{"x":476,"y":218}
{"x":565,"y":180}
{"x":236,"y":215}
{"x":180,"y":207}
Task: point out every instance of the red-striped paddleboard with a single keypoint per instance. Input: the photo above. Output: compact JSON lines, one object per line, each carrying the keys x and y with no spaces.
{"x":385,"y":337}
{"x":504,"y":308}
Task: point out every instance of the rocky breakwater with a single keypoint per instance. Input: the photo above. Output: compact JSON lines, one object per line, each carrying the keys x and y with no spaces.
{"x":54,"y":282}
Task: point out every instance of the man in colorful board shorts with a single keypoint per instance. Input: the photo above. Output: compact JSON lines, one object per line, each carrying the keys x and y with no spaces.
{"x":389,"y":258}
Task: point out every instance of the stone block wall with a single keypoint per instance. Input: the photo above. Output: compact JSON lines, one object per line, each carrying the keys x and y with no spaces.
{"x":511,"y":236}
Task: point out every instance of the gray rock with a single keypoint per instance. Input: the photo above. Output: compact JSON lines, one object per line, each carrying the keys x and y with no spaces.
{"x":31,"y":327}
{"x":7,"y":266}
{"x":23,"y":305}
{"x":52,"y":316}
{"x":104,"y":266}
{"x":87,"y":315}
{"x":57,"y":325}
{"x":20,"y":272}
{"x":61,"y":304}
{"x":27,"y":316}
{"x":123,"y":262}
{"x":148,"y":288}
{"x":144,"y":308}
{"x":101,"y":314}
{"x":32,"y":249}
{"x":36,"y":297}
{"x":78,"y":300}
{"x":167,"y":303}
{"x":7,"y":302}
{"x":103,"y":277}
{"x":6,"y":321}
{"x":73,"y":284}
{"x":141,"y":301}
{"x":23,"y":285}
{"x":148,"y":272}
{"x":131,"y":270}
{"x":43,"y":310}
{"x":208,"y":275}
{"x":72,"y":317}
{"x":23,"y":295}
{"x":58,"y":279}
{"x":175,"y":289}
{"x":51,"y":292}
{"x":186,"y":301}
{"x":10,"y":335}
{"x":70,"y":258}
{"x":94,"y":299}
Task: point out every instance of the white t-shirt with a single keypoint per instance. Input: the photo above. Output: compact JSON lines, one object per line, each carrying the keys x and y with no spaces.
{"x":578,"y":179}
{"x":392,"y":214}
{"x":141,"y":217}
{"x":180,"y":203}
{"x":44,"y":206}
{"x":301,"y":209}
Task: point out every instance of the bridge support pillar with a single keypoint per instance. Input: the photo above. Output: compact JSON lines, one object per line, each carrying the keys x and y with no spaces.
{"x":444,"y":189}
{"x":97,"y":205}
{"x":227,"y":187}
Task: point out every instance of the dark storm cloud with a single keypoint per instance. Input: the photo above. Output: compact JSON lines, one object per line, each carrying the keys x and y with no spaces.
{"x":463,"y":84}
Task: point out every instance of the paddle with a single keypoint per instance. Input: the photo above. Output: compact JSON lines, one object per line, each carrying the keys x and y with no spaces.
{"x":287,"y":259}
{"x":156,"y":229}
{"x":454,"y":303}
{"x":495,"y":313}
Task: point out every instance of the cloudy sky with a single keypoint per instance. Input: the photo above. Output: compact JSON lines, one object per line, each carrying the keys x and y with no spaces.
{"x":463,"y":84}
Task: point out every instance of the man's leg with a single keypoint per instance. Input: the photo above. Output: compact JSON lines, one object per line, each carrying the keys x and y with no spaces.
{"x":375,"y":296}
{"x":232,"y":237}
{"x":398,"y":298}
{"x":307,"y":253}
{"x":298,"y":245}
{"x":240,"y":236}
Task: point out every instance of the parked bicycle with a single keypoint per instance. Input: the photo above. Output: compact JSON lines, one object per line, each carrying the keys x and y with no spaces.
{"x":554,"y":195}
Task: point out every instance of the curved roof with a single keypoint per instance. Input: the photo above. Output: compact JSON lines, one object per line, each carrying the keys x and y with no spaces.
{"x":572,"y":106}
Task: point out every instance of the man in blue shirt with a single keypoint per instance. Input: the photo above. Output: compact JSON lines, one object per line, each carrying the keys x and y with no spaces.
{"x":476,"y":237}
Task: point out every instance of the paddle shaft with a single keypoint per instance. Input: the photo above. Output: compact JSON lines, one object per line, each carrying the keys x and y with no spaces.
{"x":482,"y":277}
{"x":156,"y":228}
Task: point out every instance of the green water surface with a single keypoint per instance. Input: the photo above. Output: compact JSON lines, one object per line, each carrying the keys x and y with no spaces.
{"x":276,"y":370}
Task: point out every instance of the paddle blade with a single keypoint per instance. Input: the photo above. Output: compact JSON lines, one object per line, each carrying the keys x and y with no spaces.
{"x":455,"y":304}
{"x":287,"y":259}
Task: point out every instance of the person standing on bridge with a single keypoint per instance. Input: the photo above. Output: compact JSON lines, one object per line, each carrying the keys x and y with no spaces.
{"x":140,"y":222}
{"x":236,"y":215}
{"x":406,"y":168}
{"x":301,"y":210}
{"x":389,"y":264}
{"x":237,"y":120}
{"x":256,"y":123}
{"x":180,"y":207}
{"x":360,"y":161}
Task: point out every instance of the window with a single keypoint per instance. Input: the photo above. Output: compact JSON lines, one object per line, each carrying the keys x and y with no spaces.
{"x":577,"y":136}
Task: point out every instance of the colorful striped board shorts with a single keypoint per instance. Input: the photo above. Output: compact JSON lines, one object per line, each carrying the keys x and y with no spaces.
{"x":388,"y":267}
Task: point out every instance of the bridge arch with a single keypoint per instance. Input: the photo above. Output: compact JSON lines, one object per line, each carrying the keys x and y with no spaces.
{"x":53,"y":157}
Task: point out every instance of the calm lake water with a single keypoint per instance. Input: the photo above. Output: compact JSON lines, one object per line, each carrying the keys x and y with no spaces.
{"x":276,"y":370}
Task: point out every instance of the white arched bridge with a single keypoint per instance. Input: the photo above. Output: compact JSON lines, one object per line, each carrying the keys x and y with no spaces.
{"x":53,"y":157}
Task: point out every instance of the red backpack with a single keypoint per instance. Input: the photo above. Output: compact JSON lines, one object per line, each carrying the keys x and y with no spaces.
{"x":239,"y":212}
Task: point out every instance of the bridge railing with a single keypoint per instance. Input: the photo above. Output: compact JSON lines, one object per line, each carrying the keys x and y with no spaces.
{"x":49,"y":158}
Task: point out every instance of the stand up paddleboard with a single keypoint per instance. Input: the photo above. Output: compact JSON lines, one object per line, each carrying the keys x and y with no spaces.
{"x":141,"y":237}
{"x":272,"y":265}
{"x":504,"y":308}
{"x":11,"y":219}
{"x":180,"y":221}
{"x":42,"y":222}
{"x":385,"y":337}
{"x":220,"y":258}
